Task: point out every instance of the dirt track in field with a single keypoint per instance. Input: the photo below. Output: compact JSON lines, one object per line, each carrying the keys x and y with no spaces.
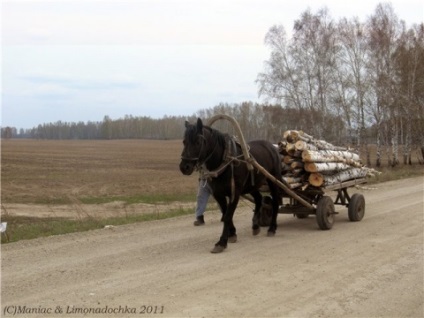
{"x":372,"y":268}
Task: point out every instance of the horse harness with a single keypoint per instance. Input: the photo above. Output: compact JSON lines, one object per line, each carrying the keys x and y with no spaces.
{"x":230,"y":158}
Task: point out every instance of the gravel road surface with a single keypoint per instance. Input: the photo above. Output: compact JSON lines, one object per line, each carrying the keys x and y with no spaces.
{"x":372,"y":268}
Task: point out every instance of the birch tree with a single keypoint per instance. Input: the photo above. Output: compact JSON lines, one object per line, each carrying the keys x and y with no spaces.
{"x":383,"y":36}
{"x":353,"y":84}
{"x":410,"y":70}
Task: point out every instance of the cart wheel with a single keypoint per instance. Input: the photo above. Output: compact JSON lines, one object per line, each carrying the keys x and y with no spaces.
{"x":356,"y":208}
{"x":325,"y":213}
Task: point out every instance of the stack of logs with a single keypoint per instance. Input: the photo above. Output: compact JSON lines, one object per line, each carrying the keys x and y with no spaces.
{"x":307,"y":161}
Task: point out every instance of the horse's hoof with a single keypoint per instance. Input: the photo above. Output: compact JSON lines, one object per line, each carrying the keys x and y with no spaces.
{"x":270,"y":234}
{"x":232,"y":239}
{"x":218,"y":249}
{"x":256,"y":231}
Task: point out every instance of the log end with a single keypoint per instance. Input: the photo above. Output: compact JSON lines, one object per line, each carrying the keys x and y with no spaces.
{"x":316,"y":179}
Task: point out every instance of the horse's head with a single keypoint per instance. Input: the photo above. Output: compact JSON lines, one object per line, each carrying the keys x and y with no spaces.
{"x":193,"y":150}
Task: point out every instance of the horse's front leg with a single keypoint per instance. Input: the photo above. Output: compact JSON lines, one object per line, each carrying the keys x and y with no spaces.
{"x":222,"y":202}
{"x":229,"y":230}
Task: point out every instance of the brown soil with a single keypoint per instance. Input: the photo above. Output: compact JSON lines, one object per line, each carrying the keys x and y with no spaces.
{"x":66,"y":171}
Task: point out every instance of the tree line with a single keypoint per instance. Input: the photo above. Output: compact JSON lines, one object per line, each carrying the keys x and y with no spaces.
{"x":257,"y":121}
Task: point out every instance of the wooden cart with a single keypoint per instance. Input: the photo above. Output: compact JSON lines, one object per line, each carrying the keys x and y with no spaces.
{"x":322,"y":206}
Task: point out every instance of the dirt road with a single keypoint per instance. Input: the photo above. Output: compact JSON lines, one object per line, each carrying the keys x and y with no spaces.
{"x":372,"y":268}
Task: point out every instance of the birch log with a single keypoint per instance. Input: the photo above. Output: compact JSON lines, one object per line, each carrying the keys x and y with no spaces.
{"x":319,"y":180}
{"x":316,"y":179}
{"x":290,"y":148}
{"x":296,"y":165}
{"x":295,"y":135}
{"x":282,"y":147}
{"x":292,"y":180}
{"x":303,"y":145}
{"x":285,"y":167}
{"x":295,"y":185}
{"x":323,"y":145}
{"x":325,"y":166}
{"x":297,"y":172}
{"x":288,"y":160}
{"x":328,"y":156}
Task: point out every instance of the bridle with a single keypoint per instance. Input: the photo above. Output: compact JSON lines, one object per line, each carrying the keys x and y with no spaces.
{"x":196,"y":159}
{"x":200,"y":152}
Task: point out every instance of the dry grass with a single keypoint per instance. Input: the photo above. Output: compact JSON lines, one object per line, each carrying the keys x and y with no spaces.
{"x":46,"y":171}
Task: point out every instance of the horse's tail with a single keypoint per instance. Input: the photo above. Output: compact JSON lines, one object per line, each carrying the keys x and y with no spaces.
{"x":277,"y":172}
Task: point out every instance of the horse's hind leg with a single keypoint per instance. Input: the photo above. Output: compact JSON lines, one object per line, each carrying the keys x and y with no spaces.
{"x":255,"y":220}
{"x":228,"y":219}
{"x":275,"y":194}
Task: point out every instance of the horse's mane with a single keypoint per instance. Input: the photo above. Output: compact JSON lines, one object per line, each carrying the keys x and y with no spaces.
{"x":191,"y":133}
{"x":217,"y":135}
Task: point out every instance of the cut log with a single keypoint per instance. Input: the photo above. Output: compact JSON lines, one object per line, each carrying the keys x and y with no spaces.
{"x":290,"y":136}
{"x":295,"y":185}
{"x":323,"y":145}
{"x":290,"y":180}
{"x":286,"y":134}
{"x":282,"y":147}
{"x":295,"y":135}
{"x":285,"y":167}
{"x":297,"y":172}
{"x":290,"y":148}
{"x":325,"y":166}
{"x":319,"y":180}
{"x":296,"y":165}
{"x":297,"y":154}
{"x":329,"y":156}
{"x":316,"y":179}
{"x":303,"y":145}
{"x":288,"y":160}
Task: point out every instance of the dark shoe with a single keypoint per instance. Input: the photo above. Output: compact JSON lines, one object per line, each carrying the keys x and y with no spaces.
{"x":199,"y":221}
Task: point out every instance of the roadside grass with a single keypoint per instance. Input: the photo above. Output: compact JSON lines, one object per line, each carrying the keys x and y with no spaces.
{"x":130,"y":199}
{"x":27,"y":228}
{"x":396,"y":173}
{"x":135,"y":199}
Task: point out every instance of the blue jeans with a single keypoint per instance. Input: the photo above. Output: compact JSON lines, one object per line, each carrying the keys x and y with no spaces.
{"x":203,"y":193}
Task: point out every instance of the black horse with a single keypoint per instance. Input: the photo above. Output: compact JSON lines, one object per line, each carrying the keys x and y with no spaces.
{"x":225,"y":167}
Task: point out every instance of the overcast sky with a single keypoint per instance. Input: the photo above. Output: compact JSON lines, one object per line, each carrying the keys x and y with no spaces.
{"x":79,"y":60}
